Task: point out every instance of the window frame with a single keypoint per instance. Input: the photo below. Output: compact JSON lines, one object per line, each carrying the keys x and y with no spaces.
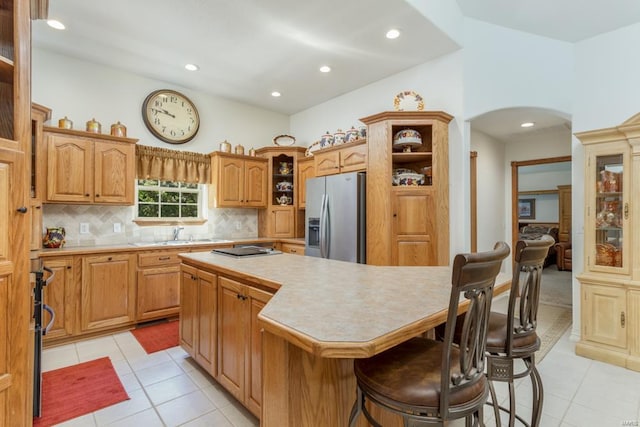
{"x":201,"y":191}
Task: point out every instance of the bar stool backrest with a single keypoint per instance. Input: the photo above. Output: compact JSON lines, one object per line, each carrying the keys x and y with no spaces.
{"x":473,"y":278}
{"x":528,"y":256}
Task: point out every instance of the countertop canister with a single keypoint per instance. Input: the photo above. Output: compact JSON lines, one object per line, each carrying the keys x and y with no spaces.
{"x":65,"y":123}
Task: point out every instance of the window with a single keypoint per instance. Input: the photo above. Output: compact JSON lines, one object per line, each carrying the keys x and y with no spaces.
{"x":169,"y":200}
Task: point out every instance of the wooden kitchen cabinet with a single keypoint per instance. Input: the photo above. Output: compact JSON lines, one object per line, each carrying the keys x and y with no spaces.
{"x":107,"y":295}
{"x":239,"y":341}
{"x":84,"y":167}
{"x":59,"y":294}
{"x":158,"y":286}
{"x":306,"y":170}
{"x":415,"y":237}
{"x":394,"y":234}
{"x":349,"y":157}
{"x":238,"y":181}
{"x":291,"y":248}
{"x":198,"y":316}
{"x":283,"y":216}
{"x":610,"y":282}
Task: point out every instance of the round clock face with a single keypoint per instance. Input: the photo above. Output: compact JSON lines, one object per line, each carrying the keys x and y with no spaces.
{"x":170,"y":116}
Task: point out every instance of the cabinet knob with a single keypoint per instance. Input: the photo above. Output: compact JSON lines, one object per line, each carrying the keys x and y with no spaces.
{"x":110,"y":259}
{"x":38,"y":207}
{"x":87,"y":195}
{"x":22,"y":209}
{"x":68,"y":267}
{"x":97,"y":195}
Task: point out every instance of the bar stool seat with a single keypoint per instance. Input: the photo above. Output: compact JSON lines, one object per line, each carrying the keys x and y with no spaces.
{"x":497,"y":337}
{"x":430,"y":382}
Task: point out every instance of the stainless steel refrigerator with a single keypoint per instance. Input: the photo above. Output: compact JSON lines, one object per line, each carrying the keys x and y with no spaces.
{"x":335,"y":217}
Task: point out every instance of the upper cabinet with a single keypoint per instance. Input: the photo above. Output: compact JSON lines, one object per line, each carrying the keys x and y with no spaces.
{"x":83,"y":167}
{"x":305,"y":170}
{"x":343,"y":158}
{"x":408,"y":219}
{"x":238,"y":181}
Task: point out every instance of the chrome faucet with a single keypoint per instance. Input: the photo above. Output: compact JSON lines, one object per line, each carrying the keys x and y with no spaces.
{"x":176,"y":232}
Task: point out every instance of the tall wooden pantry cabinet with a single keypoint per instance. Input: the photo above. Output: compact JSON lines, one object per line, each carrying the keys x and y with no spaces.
{"x":16,"y":329}
{"x":610,"y":283}
{"x":408,"y":224}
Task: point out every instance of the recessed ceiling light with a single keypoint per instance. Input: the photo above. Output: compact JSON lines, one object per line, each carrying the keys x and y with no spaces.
{"x":527,"y":125}
{"x":192,"y":67}
{"x":393,"y":34}
{"x":275,"y":94}
{"x":56,"y":24}
{"x":325,"y":69}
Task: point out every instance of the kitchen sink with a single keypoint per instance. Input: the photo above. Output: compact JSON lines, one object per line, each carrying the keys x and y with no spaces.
{"x":182,"y":242}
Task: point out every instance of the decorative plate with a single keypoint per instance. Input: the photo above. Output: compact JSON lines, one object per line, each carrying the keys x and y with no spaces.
{"x":408,"y":101}
{"x":284,"y":140}
{"x":312,"y":147}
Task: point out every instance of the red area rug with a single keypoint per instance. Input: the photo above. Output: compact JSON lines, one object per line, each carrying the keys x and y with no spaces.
{"x":158,"y":337}
{"x":77,"y":390}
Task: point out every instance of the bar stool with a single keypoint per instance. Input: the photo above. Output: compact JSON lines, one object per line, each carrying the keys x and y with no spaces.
{"x":513,"y":336}
{"x":427,"y":381}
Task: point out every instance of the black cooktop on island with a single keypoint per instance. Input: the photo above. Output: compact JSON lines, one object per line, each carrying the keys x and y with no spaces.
{"x":246,"y":251}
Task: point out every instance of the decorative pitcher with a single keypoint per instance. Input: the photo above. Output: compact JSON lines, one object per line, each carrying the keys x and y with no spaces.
{"x":54,"y":237}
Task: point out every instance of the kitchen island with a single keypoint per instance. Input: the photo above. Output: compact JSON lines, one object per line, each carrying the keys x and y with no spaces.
{"x":322,"y":315}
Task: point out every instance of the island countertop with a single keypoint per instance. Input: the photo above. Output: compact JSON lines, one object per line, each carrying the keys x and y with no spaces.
{"x":340,"y":309}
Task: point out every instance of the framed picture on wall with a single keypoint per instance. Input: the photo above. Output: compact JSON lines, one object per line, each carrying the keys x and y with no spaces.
{"x":527,"y":208}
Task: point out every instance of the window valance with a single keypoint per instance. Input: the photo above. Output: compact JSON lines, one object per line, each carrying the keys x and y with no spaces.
{"x":172,"y":165}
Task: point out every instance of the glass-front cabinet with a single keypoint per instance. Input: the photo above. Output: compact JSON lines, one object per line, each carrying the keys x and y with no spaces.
{"x":607,"y":216}
{"x":610,"y":282}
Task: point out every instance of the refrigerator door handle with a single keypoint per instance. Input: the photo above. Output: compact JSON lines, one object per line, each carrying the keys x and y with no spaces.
{"x":324,"y":231}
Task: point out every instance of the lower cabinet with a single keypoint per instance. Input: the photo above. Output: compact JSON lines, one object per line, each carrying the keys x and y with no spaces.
{"x":198,"y":316}
{"x":158,"y":285}
{"x":413,"y":229}
{"x":107,"y":293}
{"x":240,"y":341}
{"x":59,"y":295}
{"x":610,"y":322}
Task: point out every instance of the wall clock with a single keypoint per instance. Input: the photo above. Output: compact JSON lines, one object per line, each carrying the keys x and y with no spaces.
{"x":170,"y":116}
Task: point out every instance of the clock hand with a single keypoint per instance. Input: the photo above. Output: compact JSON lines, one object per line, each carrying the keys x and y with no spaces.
{"x":160,"y":110}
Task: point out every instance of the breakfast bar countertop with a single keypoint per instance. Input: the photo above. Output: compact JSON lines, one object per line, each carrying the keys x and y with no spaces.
{"x":341,"y":309}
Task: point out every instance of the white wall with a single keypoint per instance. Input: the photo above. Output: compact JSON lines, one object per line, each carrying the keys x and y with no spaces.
{"x":82,"y":90}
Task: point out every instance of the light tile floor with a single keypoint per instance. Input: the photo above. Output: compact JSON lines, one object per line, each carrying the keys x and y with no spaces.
{"x":168,"y":389}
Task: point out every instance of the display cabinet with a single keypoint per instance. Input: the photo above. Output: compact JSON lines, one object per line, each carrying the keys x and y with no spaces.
{"x":283,"y":216}
{"x":610,"y":282}
{"x":394,"y":236}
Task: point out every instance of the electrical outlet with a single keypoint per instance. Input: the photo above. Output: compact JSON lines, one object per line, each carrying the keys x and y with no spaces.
{"x":238,"y":225}
{"x":84,"y":228}
{"x":117,"y":227}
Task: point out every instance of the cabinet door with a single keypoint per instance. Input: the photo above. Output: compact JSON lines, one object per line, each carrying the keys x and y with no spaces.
{"x":108,"y":291}
{"x":114,"y":172}
{"x":230,"y":185}
{"x":69,"y":169}
{"x":290,"y":248}
{"x":59,"y":295}
{"x":413,"y":229}
{"x":257,"y":300}
{"x":306,"y":170}
{"x":604,"y":315}
{"x":353,"y":158}
{"x":607,"y":219}
{"x":282,"y":222}
{"x":158,"y":292}
{"x":231,"y":336}
{"x":206,"y":334}
{"x":255,"y":188}
{"x":188,"y":309}
{"x":327,"y":163}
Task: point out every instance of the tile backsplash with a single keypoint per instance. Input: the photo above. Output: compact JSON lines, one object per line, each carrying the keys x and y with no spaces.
{"x":221,"y":223}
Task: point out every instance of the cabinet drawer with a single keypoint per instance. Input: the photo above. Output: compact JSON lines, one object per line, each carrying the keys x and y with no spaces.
{"x":158,"y":258}
{"x":290,"y":248}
